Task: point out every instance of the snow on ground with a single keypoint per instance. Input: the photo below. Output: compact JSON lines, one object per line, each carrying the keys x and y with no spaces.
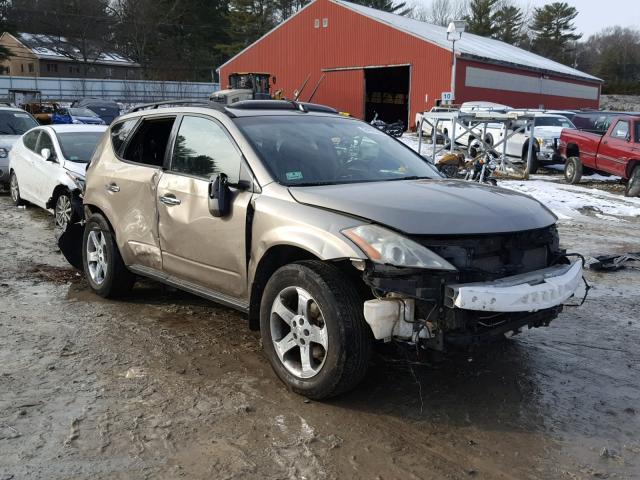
{"x":565,"y":200}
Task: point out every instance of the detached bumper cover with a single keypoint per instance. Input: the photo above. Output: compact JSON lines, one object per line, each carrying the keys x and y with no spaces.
{"x":528,"y":292}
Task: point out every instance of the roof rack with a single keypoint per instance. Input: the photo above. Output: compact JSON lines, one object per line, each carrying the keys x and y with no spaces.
{"x":169,"y":103}
{"x":281,"y":105}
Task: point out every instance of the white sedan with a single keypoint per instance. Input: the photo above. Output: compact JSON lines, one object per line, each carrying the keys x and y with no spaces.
{"x":48,"y":165}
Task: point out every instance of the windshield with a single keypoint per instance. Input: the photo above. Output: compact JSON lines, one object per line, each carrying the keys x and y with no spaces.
{"x":79,"y":146}
{"x":319,"y":150}
{"x":15,"y":123}
{"x":554,"y":122}
{"x":81,"y":112}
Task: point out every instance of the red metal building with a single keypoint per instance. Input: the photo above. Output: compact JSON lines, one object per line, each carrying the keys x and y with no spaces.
{"x":373,"y":61}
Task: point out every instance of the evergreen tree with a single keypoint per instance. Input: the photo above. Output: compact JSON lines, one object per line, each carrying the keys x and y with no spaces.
{"x":481,"y":18}
{"x":508,"y":24}
{"x":554,"y":31}
{"x":247,"y":21}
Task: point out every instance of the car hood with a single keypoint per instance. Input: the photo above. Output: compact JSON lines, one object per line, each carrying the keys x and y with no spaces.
{"x":7,"y":141}
{"x":91,"y":120}
{"x":76,"y":167}
{"x":432,"y":207}
{"x":548,"y":132}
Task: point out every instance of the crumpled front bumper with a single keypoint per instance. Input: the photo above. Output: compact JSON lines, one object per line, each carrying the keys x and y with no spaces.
{"x":529,"y":292}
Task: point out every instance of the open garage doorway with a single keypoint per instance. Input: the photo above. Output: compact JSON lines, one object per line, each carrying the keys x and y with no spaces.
{"x":387,"y":93}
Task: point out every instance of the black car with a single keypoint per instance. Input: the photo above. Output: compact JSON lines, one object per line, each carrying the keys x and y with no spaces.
{"x":107,"y":110}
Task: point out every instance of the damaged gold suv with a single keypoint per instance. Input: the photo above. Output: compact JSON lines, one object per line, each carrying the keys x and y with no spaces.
{"x":326,"y":232}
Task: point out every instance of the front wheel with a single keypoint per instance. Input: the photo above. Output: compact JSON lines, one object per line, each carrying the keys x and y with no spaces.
{"x":14,"y":188}
{"x":573,"y":170}
{"x":63,"y":210}
{"x":633,"y":184}
{"x":103,"y":266}
{"x":535,"y":164}
{"x":313,"y":329}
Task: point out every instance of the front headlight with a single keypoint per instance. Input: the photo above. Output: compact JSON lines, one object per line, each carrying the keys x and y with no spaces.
{"x":387,"y":247}
{"x":545,"y":142}
{"x":4,"y":153}
{"x":78,"y":180}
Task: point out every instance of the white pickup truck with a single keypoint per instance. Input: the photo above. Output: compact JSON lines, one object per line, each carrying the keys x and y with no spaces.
{"x":546,"y":133}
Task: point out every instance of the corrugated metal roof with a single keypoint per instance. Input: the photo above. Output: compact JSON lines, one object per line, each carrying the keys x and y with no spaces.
{"x":469,"y":45}
{"x":51,"y":47}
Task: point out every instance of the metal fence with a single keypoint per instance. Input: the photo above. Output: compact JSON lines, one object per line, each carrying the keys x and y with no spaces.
{"x":126,"y":91}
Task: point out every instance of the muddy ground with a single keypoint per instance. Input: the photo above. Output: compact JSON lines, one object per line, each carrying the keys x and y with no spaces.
{"x":165,"y":385}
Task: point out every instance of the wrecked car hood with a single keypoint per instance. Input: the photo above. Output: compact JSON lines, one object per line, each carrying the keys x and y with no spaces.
{"x":432,"y":207}
{"x":79,"y":168}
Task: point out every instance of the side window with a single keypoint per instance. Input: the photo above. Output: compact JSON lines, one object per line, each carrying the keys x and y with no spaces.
{"x":45,"y":142}
{"x":30,"y":140}
{"x":621,"y":130}
{"x":203,"y":149}
{"x":120,"y":132}
{"x":149,"y":142}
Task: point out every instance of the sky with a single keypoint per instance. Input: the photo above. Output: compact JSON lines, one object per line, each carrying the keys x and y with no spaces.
{"x":594,"y":14}
{"x":597,"y":14}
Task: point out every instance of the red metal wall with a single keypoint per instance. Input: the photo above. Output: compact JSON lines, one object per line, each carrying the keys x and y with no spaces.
{"x":518,"y":99}
{"x":296,"y":49}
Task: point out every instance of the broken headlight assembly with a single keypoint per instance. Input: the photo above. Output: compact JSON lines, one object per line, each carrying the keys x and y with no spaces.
{"x":78,"y":180}
{"x":389,"y":248}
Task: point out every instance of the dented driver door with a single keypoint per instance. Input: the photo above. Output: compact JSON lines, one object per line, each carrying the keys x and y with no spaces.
{"x":196,"y":246}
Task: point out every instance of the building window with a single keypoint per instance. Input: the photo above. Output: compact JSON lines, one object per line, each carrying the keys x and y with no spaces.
{"x":316,"y":23}
{"x":22,"y":67}
{"x":31,"y":68}
{"x":108,"y":72}
{"x":325,"y":22}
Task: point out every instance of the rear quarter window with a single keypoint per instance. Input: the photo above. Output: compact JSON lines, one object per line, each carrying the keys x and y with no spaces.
{"x":120,"y":132}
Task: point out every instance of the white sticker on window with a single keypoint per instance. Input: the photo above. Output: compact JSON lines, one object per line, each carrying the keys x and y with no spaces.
{"x":294,"y":175}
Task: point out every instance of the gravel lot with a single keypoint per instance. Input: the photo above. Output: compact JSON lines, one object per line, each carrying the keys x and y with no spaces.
{"x":165,"y":385}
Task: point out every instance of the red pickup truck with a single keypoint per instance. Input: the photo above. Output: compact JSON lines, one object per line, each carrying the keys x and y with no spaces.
{"x":617,"y":152}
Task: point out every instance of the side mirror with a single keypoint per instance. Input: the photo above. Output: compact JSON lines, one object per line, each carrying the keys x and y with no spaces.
{"x":219,"y":196}
{"x":46,"y":154}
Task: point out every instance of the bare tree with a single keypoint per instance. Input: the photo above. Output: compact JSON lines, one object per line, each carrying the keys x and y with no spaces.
{"x":440,"y":12}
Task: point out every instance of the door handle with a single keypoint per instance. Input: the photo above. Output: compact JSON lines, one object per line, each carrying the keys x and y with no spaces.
{"x":112,"y":187}
{"x":169,"y":200}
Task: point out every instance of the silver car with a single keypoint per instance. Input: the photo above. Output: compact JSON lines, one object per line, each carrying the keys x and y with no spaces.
{"x":329,"y":234}
{"x":13,"y":123}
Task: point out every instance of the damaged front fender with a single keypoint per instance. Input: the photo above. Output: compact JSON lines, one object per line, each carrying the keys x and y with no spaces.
{"x":70,"y":240}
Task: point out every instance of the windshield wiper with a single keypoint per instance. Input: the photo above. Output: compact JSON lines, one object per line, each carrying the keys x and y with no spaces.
{"x":413,"y":177}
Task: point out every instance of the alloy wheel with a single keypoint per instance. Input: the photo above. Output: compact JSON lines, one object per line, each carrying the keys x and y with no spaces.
{"x":97,"y":259}
{"x":63,"y":211}
{"x":298,"y":332}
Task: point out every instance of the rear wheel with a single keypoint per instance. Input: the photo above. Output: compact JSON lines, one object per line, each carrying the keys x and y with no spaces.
{"x":633,"y":184}
{"x":313,"y":329}
{"x":103,"y":266}
{"x":573,"y":170}
{"x":14,"y":188}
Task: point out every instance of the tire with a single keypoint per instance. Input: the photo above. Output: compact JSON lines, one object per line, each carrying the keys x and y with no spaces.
{"x":573,"y":170}
{"x":63,"y":211}
{"x":633,"y":184}
{"x":14,"y":190}
{"x":103,"y":266}
{"x":333,"y":310}
{"x":535,"y":164}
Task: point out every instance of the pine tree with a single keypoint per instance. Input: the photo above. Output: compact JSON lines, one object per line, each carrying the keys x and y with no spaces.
{"x":481,"y":17}
{"x":554,"y":31}
{"x":508,"y":24}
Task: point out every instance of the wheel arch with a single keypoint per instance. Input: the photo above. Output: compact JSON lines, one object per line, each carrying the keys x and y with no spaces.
{"x":631,"y":166}
{"x":57,"y":191}
{"x":573,"y":150}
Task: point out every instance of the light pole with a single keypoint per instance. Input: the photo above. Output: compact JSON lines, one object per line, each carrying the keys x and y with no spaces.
{"x":454,"y":33}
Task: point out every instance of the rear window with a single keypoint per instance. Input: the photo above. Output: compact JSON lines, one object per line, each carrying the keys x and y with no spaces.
{"x":594,"y":122}
{"x":79,"y":146}
{"x":120,"y":132}
{"x":553,"y":122}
